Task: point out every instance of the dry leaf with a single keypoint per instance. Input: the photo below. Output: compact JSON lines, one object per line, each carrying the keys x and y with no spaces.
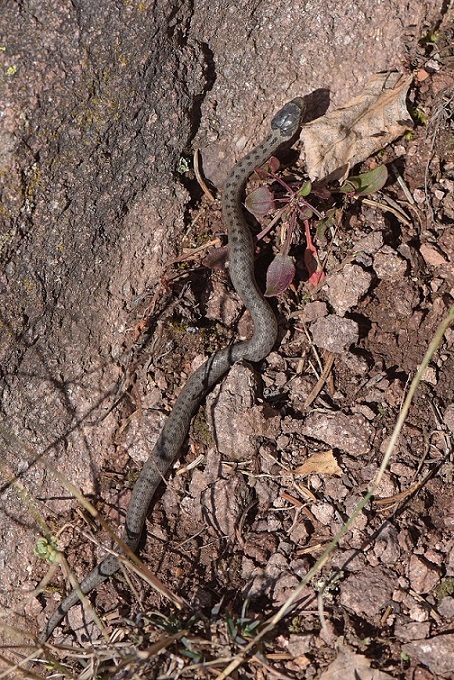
{"x":322,"y":463}
{"x":354,"y":132}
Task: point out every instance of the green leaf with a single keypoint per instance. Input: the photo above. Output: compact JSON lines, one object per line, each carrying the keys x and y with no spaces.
{"x":330,"y":220}
{"x":430,"y":37}
{"x":305,"y":189}
{"x":367,"y":182}
{"x":183,"y":165}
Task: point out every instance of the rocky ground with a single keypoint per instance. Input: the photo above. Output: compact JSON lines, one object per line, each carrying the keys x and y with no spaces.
{"x":283,"y":452}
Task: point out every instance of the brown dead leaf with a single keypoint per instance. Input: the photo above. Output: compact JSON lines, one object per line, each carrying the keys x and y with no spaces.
{"x":322,"y":463}
{"x":350,"y":666}
{"x":354,"y":132}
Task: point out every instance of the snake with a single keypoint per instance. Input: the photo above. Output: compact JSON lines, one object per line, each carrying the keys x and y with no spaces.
{"x":284,"y":126}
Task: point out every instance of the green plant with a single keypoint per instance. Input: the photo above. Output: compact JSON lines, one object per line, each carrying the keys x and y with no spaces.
{"x":47,"y":549}
{"x":429,"y":38}
{"x":288,"y":202}
{"x":241,"y":628}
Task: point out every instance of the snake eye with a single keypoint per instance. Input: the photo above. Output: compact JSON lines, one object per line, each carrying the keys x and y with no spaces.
{"x":288,"y":118}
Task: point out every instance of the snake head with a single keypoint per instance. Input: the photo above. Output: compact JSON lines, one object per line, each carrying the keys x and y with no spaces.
{"x":288,"y":119}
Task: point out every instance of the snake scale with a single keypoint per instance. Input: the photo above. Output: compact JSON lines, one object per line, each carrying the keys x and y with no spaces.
{"x":241,"y":267}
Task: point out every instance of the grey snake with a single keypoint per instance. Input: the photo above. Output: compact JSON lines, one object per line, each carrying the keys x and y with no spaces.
{"x":241,"y":267}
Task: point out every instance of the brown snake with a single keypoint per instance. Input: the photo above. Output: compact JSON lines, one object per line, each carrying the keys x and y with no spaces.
{"x":241,"y":255}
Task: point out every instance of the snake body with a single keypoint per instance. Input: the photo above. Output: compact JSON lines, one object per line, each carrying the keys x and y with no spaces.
{"x":241,"y":255}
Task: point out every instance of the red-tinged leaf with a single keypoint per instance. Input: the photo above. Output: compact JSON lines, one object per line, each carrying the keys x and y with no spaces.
{"x":305,"y":212}
{"x":316,"y":277}
{"x":311,"y":259}
{"x":274,"y":164}
{"x":260,"y":202}
{"x":261,"y":173}
{"x":279,"y":275}
{"x":271,"y":166}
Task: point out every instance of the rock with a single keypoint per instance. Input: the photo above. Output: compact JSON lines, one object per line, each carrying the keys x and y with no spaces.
{"x":349,"y":433}
{"x":346,"y":288}
{"x":349,"y":665}
{"x":389,"y":265}
{"x":448,"y":417}
{"x":431,"y":255}
{"x":368,"y":592}
{"x":370,"y":244}
{"x":313,"y":311}
{"x":234,"y":417}
{"x":423,"y":575}
{"x":413,"y":630}
{"x":437,"y":654}
{"x":223,"y":503}
{"x":334,"y":333}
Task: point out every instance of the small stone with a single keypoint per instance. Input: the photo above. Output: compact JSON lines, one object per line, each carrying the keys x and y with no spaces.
{"x":346,"y":288}
{"x":432,"y":66}
{"x":423,"y":575}
{"x":349,"y":433}
{"x":367,"y":592}
{"x":436,"y":284}
{"x":349,"y":665}
{"x":366,"y":411}
{"x":414,"y":630}
{"x":418,"y":613}
{"x":421,"y":75}
{"x":355,"y":363}
{"x":259,"y":547}
{"x":419,"y":196}
{"x":448,"y":206}
{"x":386,"y":547}
{"x":430,"y":375}
{"x":446,"y":608}
{"x":298,"y":645}
{"x":370,"y":244}
{"x":448,"y":417}
{"x":348,"y":560}
{"x":223,"y":502}
{"x":389,"y":265}
{"x":431,"y":255}
{"x":434,"y":557}
{"x":221,"y":305}
{"x":334,"y":333}
{"x":436,"y":653}
{"x":314,"y":310}
{"x":235,"y":420}
{"x":324,"y":512}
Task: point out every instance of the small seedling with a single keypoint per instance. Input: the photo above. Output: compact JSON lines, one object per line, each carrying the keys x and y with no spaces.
{"x":241,"y":628}
{"x":289,"y":202}
{"x":418,"y":116}
{"x":47,"y":549}
{"x":183,"y":166}
{"x":430,"y":38}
